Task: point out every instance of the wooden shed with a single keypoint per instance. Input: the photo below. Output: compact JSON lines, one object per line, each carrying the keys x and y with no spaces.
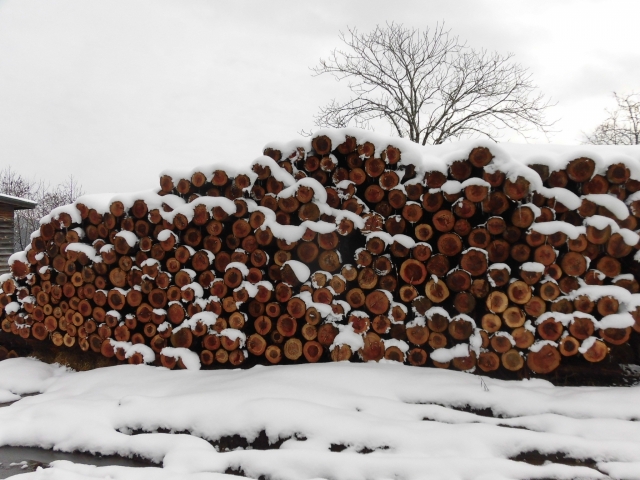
{"x":8,"y":205}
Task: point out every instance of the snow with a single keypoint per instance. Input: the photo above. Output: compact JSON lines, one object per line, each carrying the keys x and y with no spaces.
{"x":616,"y":320}
{"x":347,"y":336}
{"x":301,"y":271}
{"x":234,"y":334}
{"x":278,"y":173}
{"x":500,"y":266}
{"x":444,"y":355}
{"x":12,"y":307}
{"x":320,"y":194}
{"x":556,"y":226}
{"x":198,"y":291}
{"x":129,"y":349}
{"x":130,"y":237}
{"x":190,"y":359}
{"x":537,"y":346}
{"x":18,"y":257}
{"x":164,"y":235}
{"x":507,"y":335}
{"x":464,"y":318}
{"x":598,"y":221}
{"x":409,"y":417}
{"x":244,"y":270}
{"x":564,"y":318}
{"x":587,"y":344}
{"x":611,"y":203}
{"x":88,"y":250}
{"x":206,"y":318}
{"x":532,"y":267}
{"x":394,"y":342}
{"x":596,"y":292}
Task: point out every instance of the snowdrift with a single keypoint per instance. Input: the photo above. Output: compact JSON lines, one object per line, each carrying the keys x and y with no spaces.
{"x":347,"y":246}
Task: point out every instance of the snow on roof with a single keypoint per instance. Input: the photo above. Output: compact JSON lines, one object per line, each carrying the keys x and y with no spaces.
{"x":17,"y":203}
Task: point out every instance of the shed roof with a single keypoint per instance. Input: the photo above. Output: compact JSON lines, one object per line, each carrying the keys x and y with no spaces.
{"x":17,"y":203}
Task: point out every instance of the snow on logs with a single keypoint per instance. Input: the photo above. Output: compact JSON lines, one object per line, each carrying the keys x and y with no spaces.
{"x":348,"y":246}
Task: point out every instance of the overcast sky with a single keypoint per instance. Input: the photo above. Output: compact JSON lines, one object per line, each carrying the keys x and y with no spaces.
{"x":115,"y":91}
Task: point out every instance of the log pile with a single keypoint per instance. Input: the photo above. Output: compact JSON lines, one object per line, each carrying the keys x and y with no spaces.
{"x":344,"y":249}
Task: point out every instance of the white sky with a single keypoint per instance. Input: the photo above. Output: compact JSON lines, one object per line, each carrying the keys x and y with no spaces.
{"x":115,"y":91}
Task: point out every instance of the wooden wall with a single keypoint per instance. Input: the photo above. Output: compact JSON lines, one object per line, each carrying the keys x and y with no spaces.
{"x":6,"y":236}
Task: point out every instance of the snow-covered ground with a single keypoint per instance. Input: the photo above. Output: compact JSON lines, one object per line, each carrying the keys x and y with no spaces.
{"x":331,"y":421}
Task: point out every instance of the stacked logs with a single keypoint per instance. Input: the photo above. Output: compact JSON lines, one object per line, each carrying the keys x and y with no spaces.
{"x":342,"y":251}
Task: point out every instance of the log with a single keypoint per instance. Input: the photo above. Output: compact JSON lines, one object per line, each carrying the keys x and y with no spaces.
{"x":497,"y":301}
{"x":394,"y":353}
{"x":222,"y":356}
{"x":413,"y":272}
{"x":464,"y":302}
{"x":618,"y":173}
{"x":549,"y":291}
{"x":286,"y":325}
{"x":535,"y":307}
{"x":609,"y":266}
{"x":495,"y":204}
{"x":513,"y":317}
{"x":583,"y":303}
{"x":273,"y":354}
{"x":436,"y":291}
{"x":581,"y":169}
{"x":373,"y":349}
{"x":512,"y":360}
{"x":293,"y":349}
{"x":355,"y":297}
{"x":326,"y":334}
{"x":491,"y":322}
{"x":418,"y":335}
{"x":597,"y":352}
{"x":597,"y":236}
{"x":523,"y":337}
{"x":614,"y":336}
{"x":309,"y":332}
{"x":488,"y":361}
{"x":608,"y":305}
{"x":573,"y":263}
{"x":544,"y":361}
{"x":617,"y":247}
{"x":423,"y":232}
{"x":522,"y":217}
{"x":381,"y":324}
{"x":341,"y":353}
{"x":519,"y":292}
{"x":449,"y":244}
{"x":460,"y":329}
{"x":474,"y":262}
{"x":437,"y":340}
{"x":312,"y":351}
{"x":376,"y":302}
{"x":498,"y":251}
{"x":457,"y":280}
{"x":443,"y":221}
{"x":321,"y":144}
{"x":461,"y":170}
{"x":417,"y":357}
{"x":581,"y":328}
{"x":480,"y":157}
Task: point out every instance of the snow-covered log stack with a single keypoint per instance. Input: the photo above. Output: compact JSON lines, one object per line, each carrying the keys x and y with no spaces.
{"x":347,"y":246}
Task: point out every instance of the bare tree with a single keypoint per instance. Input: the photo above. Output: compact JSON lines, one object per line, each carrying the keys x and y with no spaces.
{"x":429,"y":86}
{"x":622,"y":127}
{"x":48,"y":198}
